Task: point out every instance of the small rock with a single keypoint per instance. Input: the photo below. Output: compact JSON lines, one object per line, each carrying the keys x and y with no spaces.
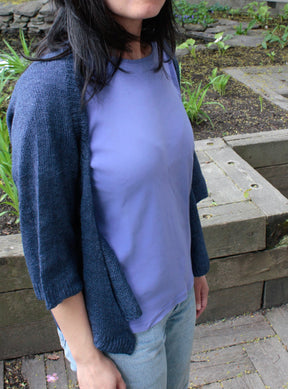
{"x":29,"y":9}
{"x":194,"y":27}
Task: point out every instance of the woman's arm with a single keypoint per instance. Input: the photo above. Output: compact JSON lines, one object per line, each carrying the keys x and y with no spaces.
{"x":94,"y":369}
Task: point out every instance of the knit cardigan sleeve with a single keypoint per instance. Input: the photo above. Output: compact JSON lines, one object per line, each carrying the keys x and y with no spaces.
{"x":45,"y":160}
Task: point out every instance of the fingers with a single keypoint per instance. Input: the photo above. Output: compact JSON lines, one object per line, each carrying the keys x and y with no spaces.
{"x":201,"y":294}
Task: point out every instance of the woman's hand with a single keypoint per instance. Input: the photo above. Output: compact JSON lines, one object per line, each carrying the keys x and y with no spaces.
{"x":94,"y":369}
{"x":99,"y":373}
{"x":201,"y":294}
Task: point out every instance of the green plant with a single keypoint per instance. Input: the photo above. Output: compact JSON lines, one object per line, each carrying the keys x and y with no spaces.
{"x":272,"y":36}
{"x":13,"y":64}
{"x":261,"y":103}
{"x":190,"y":45}
{"x":193,"y":101}
{"x":185,"y":12}
{"x":219,"y":83}
{"x":284,"y":14}
{"x":271,"y":55}
{"x":241,"y":31}
{"x":258,"y":11}
{"x":234,"y":11}
{"x":9,"y":196}
{"x":219,"y":42}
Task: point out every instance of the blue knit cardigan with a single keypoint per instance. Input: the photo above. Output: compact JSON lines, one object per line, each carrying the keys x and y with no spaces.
{"x":64,"y":251}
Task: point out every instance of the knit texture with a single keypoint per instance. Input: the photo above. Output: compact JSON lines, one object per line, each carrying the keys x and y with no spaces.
{"x":51,"y":168}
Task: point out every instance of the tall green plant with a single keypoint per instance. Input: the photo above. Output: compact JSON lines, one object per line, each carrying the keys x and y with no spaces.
{"x":10,"y":195}
{"x":12,"y":64}
{"x":220,"y":42}
{"x":193,"y":101}
{"x":219,"y":82}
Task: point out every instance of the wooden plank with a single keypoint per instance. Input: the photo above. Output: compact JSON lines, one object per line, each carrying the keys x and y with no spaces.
{"x":252,"y":381}
{"x":58,"y":368}
{"x":11,"y":246}
{"x":233,"y":301}
{"x":231,"y":332}
{"x":277,"y":176}
{"x":33,"y":370}
{"x":278,"y":317}
{"x":209,"y":144}
{"x":219,"y":365}
{"x":1,"y":375}
{"x":275,"y":292}
{"x":262,"y":193}
{"x":232,"y":229}
{"x":261,"y":148}
{"x":14,"y":274}
{"x":71,"y":376}
{"x":21,"y":307}
{"x":248,"y":268}
{"x":222,"y":190}
{"x":28,"y":339}
{"x":270,"y":360}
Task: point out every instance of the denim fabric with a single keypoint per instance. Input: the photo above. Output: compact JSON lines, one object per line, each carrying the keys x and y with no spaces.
{"x":162,"y":355}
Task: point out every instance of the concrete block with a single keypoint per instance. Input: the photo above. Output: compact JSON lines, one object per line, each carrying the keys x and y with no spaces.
{"x":233,"y":301}
{"x":275,"y":292}
{"x":26,"y":339}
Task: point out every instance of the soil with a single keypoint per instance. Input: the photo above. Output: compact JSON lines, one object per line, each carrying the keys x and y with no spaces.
{"x":244,"y":112}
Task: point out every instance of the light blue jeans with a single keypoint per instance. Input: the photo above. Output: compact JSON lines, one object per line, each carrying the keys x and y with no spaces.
{"x":161,"y":359}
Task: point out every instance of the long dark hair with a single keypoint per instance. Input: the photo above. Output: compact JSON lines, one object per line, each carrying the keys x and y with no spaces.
{"x":87,"y":29}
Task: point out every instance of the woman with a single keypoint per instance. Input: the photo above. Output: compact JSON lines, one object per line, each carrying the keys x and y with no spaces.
{"x":103,"y":162}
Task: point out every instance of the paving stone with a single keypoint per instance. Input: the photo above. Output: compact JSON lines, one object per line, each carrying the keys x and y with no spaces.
{"x":231,"y":332}
{"x":33,"y":370}
{"x":194,"y":27}
{"x":215,"y":385}
{"x":71,"y":376}
{"x":1,"y":375}
{"x":219,"y":365}
{"x":278,"y":317}
{"x":57,"y":367}
{"x":268,"y":81}
{"x":227,"y":22}
{"x":252,"y":381}
{"x":271,"y":360}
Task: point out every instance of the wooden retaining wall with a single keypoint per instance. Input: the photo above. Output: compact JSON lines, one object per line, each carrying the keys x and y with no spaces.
{"x":245,"y":226}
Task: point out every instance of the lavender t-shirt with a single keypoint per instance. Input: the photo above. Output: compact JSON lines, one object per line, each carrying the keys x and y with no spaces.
{"x":141,"y":162}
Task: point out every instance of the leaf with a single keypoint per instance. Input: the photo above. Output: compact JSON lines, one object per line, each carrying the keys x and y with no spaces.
{"x":53,"y":357}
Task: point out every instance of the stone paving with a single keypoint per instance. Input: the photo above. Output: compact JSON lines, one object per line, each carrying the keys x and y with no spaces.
{"x":244,"y":352}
